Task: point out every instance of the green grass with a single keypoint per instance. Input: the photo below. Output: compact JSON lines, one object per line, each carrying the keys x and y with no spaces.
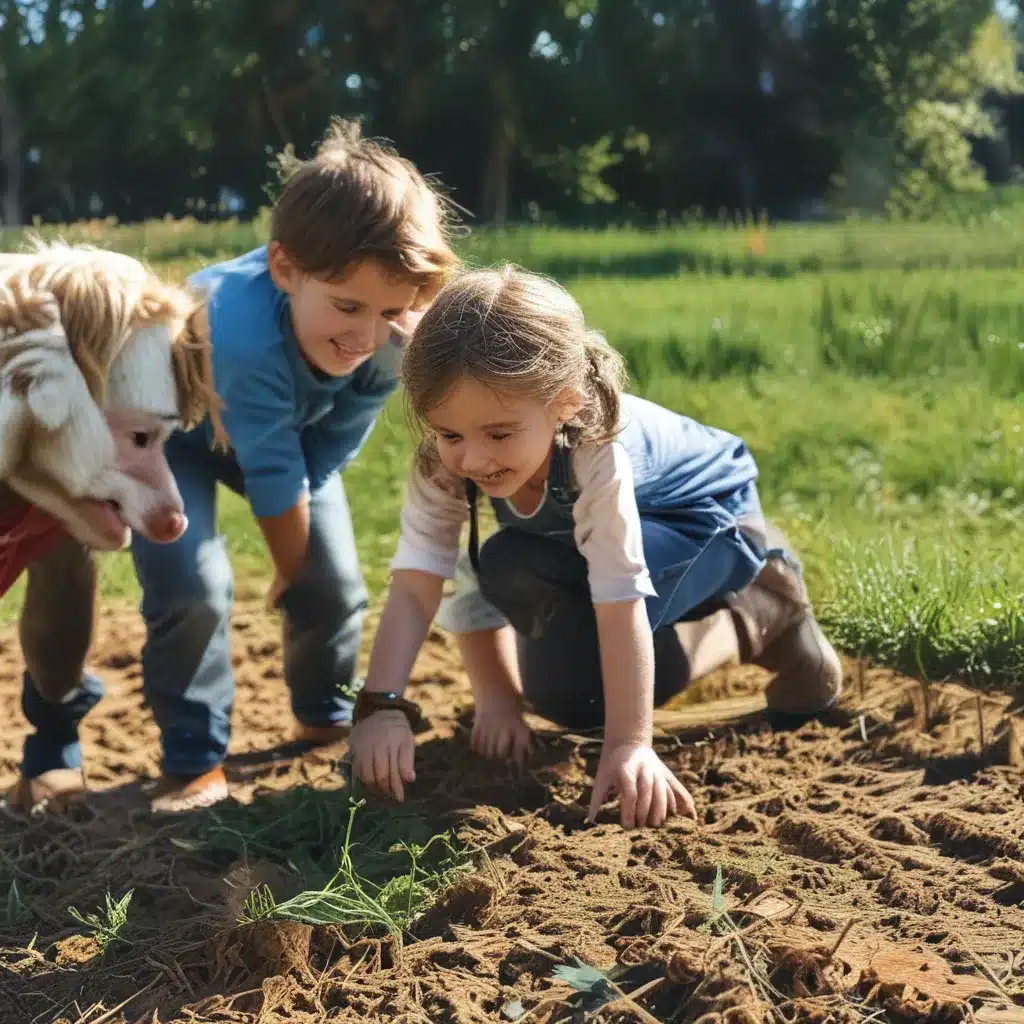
{"x":875,"y":371}
{"x":986,"y":238}
{"x":106,"y":926}
{"x":360,"y":866}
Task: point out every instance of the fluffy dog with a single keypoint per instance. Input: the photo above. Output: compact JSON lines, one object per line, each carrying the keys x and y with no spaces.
{"x":99,"y":361}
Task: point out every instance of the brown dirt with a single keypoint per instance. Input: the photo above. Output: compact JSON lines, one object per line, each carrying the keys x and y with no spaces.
{"x":874,"y":866}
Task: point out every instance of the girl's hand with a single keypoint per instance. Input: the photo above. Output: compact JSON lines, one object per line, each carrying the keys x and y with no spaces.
{"x":648,"y":792}
{"x":382,"y":750}
{"x":499,"y":730}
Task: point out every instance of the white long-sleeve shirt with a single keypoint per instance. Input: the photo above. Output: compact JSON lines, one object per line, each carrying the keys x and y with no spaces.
{"x":670,"y":460}
{"x":606,"y":530}
{"x":606,"y":522}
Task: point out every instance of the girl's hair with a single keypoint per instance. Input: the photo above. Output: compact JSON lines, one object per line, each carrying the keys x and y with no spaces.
{"x":357,"y":199}
{"x":512,"y":330}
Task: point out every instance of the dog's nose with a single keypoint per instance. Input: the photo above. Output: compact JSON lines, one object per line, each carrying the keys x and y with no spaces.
{"x":166,"y":526}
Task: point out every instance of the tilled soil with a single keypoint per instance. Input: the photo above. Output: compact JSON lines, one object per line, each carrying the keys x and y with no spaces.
{"x":870,"y":867}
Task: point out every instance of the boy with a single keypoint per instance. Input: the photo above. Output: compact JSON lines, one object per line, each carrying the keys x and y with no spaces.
{"x":307,"y":335}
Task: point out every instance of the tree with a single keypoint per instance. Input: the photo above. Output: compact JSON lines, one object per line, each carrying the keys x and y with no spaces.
{"x":557,"y":108}
{"x":902,"y":81}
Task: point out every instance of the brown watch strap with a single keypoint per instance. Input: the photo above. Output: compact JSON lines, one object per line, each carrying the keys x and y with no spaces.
{"x":368,"y":702}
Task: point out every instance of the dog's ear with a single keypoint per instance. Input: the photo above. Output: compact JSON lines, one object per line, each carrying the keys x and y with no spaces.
{"x":40,"y":371}
{"x":58,"y":390}
{"x":42,"y":392}
{"x":14,"y":427}
{"x":56,"y":428}
{"x":49,"y":402}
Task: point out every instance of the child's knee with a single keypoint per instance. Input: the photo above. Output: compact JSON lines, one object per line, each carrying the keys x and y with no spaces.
{"x":182,"y":579}
{"x":507,"y":558}
{"x":516,"y":566}
{"x":323,"y":597}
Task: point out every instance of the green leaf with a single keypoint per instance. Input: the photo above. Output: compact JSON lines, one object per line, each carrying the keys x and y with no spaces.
{"x":513,"y":1009}
{"x":583,"y":978}
{"x":718,"y":894}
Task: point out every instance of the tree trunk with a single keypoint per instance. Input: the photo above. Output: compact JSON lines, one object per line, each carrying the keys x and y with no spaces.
{"x":747,"y":182}
{"x":497,"y":174}
{"x":10,"y":157}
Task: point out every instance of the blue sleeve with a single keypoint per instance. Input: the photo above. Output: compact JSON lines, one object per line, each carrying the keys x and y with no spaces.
{"x":332,"y":443}
{"x":259,"y":416}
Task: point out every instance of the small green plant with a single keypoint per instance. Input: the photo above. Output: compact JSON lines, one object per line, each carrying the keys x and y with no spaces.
{"x":717,"y":913}
{"x":410,"y":893}
{"x":349,"y":899}
{"x":750,"y":954}
{"x":14,"y":909}
{"x":933,"y":613}
{"x":106,"y":929}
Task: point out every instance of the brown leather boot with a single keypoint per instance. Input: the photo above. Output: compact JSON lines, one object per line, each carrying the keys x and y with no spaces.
{"x":778,"y":631}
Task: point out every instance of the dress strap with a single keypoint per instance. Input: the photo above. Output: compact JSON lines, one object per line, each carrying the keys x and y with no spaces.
{"x":472,"y":493}
{"x":560,"y":483}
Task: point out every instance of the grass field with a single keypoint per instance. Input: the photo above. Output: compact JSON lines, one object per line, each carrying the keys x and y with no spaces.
{"x":862,"y":868}
{"x":874,"y":370}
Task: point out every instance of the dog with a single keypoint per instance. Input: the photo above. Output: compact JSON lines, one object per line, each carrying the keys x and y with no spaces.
{"x":99,"y":361}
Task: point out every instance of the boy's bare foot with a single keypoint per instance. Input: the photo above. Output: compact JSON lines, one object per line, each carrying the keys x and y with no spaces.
{"x":55,"y":790}
{"x":176,"y":794}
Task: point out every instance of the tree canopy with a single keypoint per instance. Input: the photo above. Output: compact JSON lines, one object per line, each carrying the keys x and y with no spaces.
{"x":523,"y":108}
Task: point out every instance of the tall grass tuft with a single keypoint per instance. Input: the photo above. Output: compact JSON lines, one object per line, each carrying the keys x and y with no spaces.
{"x":934,"y":613}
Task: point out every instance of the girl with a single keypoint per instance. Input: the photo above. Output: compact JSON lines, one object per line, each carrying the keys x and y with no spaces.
{"x":631,"y":554}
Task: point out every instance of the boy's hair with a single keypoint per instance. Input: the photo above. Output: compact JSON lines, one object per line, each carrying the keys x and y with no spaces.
{"x":512,"y":330}
{"x":357,"y":199}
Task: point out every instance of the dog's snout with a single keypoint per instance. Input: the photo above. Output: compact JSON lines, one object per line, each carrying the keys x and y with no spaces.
{"x":165,"y":526}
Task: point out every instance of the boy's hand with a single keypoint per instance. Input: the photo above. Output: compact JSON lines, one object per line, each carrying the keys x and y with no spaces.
{"x":648,"y":792}
{"x":382,"y":750}
{"x":277,"y":588}
{"x":499,"y":730}
{"x":287,"y":537}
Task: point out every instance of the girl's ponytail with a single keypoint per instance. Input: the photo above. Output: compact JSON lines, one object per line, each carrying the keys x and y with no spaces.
{"x":605,"y":378}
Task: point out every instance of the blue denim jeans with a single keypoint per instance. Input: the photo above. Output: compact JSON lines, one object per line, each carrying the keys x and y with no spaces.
{"x":541,"y":587}
{"x":187,"y":592}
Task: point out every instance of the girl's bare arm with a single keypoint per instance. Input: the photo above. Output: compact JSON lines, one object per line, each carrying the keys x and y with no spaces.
{"x":412,"y":603}
{"x":490,"y":659}
{"x":627,"y":667}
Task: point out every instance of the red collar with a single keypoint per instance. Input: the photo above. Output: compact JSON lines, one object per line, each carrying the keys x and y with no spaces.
{"x":27,"y":533}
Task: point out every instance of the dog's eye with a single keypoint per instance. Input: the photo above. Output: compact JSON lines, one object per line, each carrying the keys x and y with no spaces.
{"x":141,"y":438}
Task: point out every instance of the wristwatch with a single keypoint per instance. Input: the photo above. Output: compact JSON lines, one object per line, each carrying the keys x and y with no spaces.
{"x":367,"y":702}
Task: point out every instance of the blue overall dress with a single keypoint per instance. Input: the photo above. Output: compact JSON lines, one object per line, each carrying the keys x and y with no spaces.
{"x":703,"y":538}
{"x":696,"y":493}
